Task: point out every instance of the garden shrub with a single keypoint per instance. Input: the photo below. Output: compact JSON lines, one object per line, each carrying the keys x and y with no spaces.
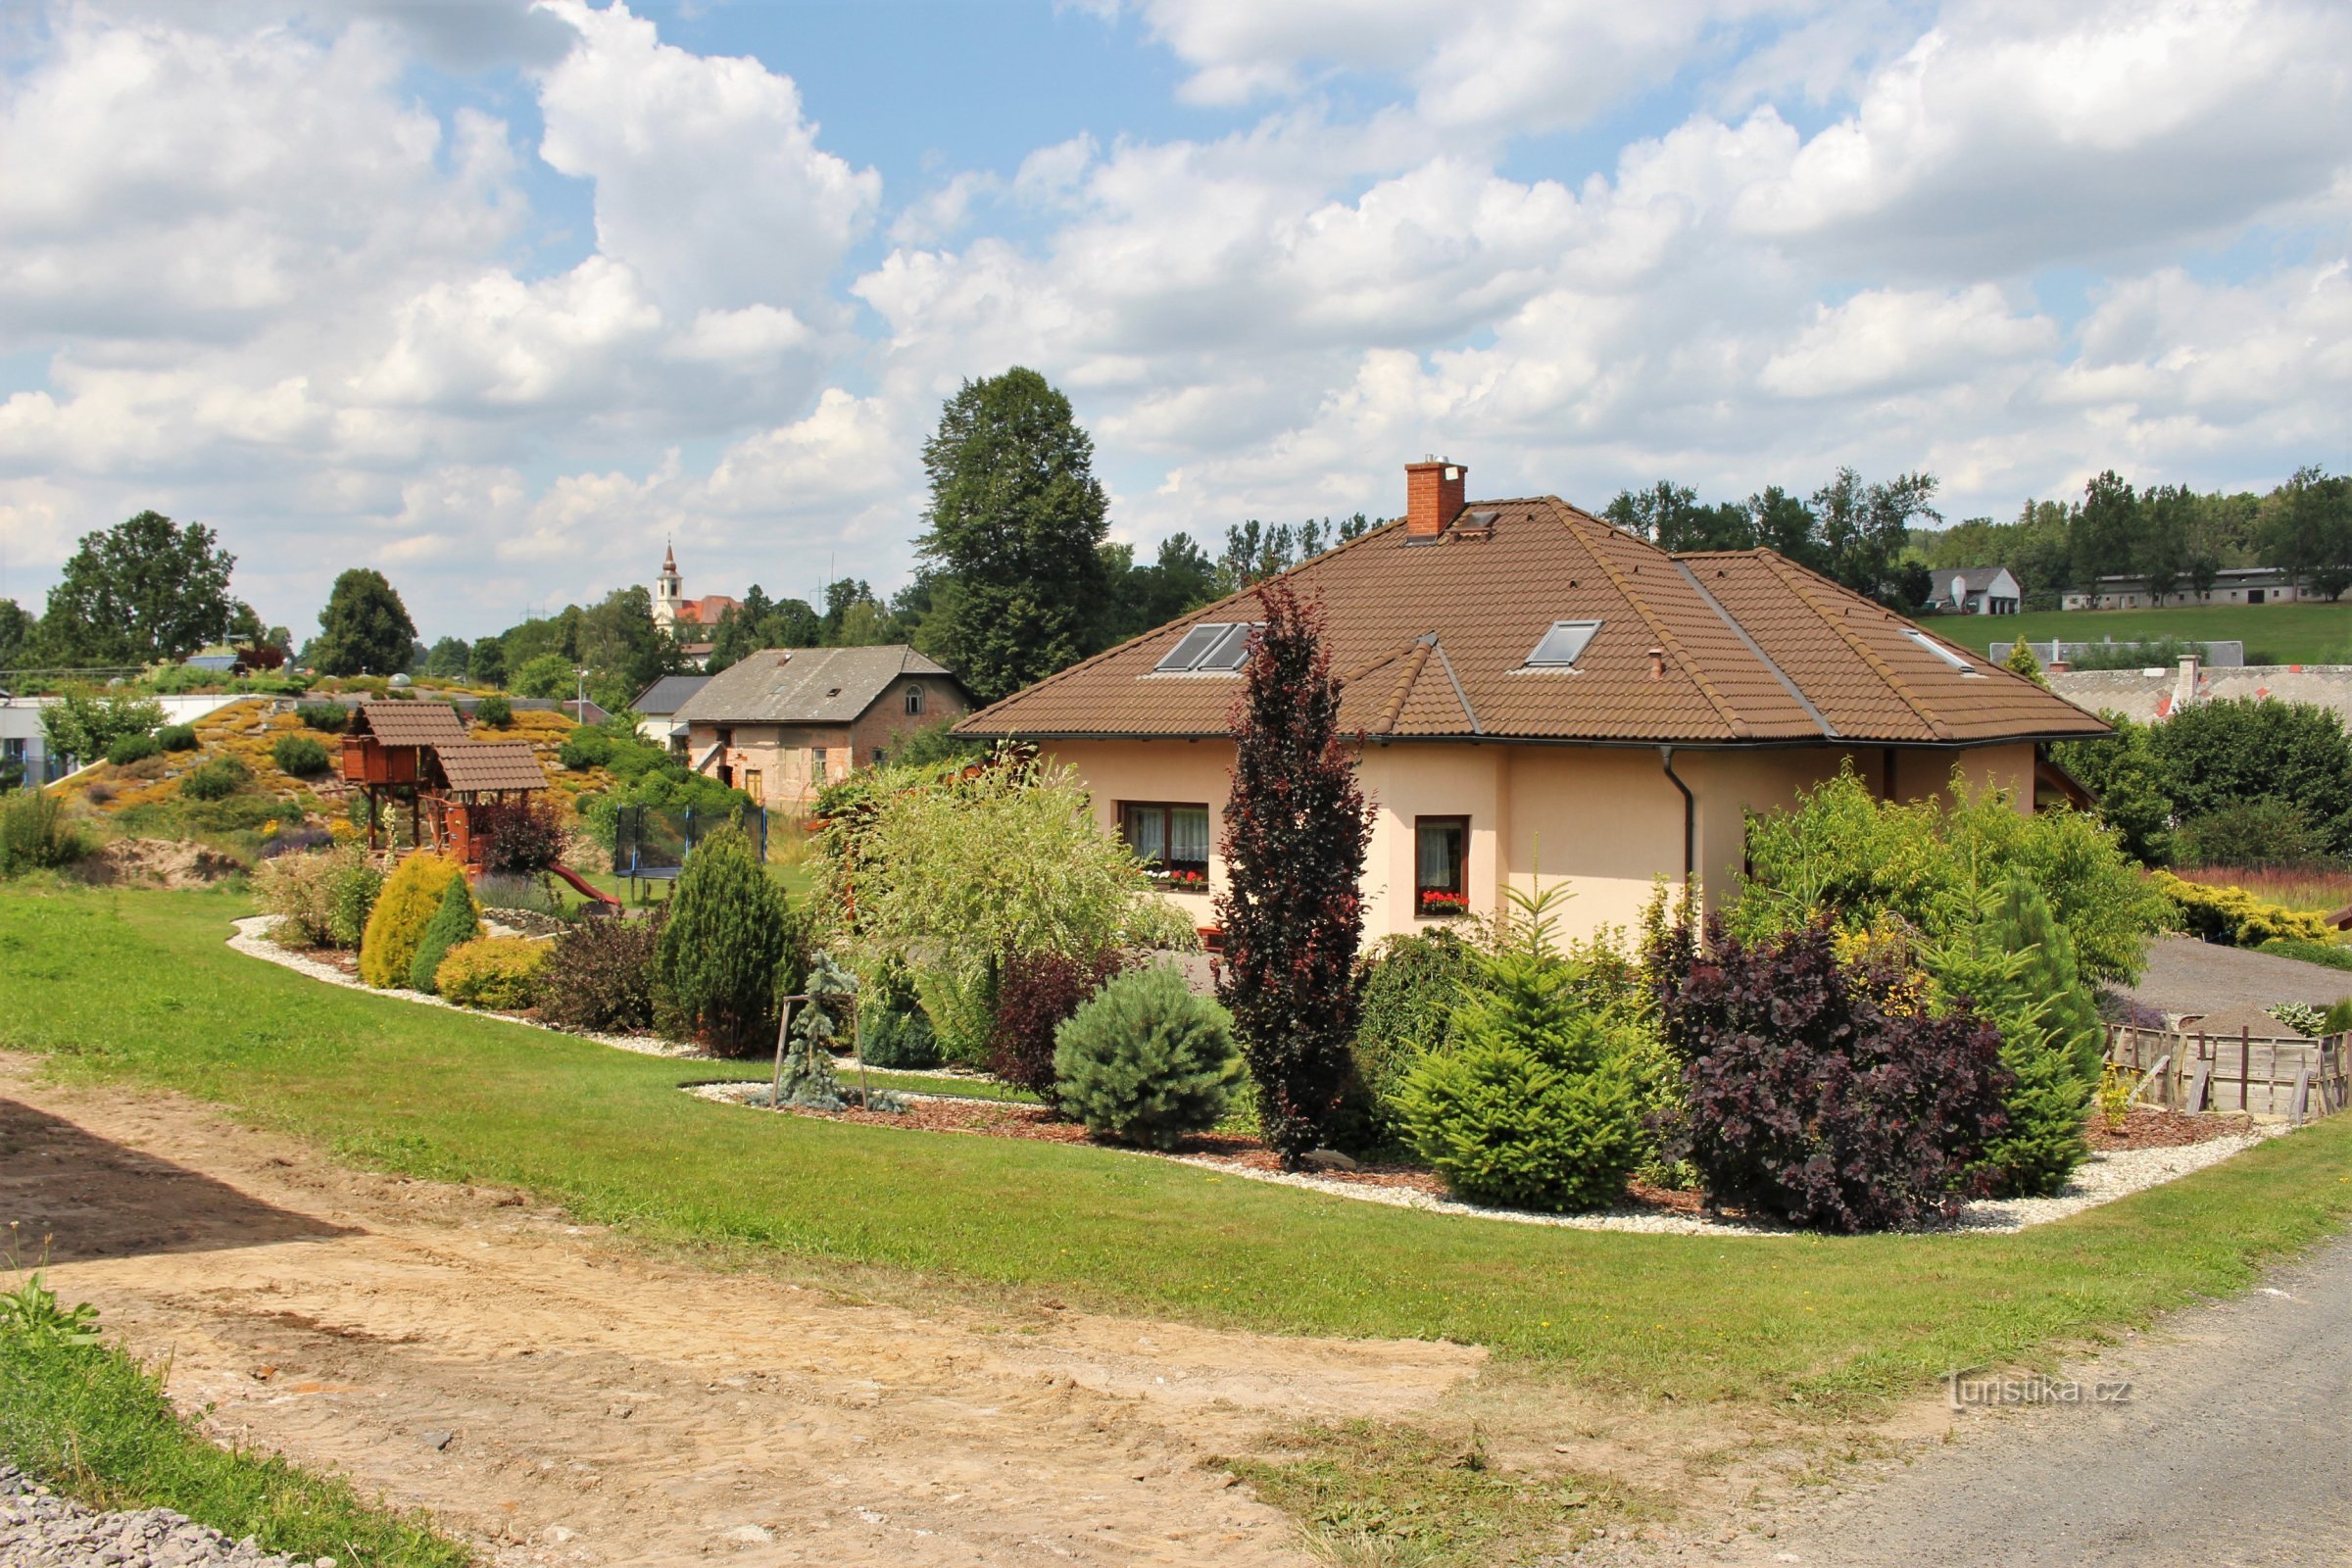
{"x":84,"y":723}
{"x":456,"y":921}
{"x":126,"y":750}
{"x":585,"y":748}
{"x":1146,"y":1060}
{"x":600,"y":975}
{"x":1848,"y":854}
{"x":216,"y":781}
{"x":495,"y":711}
{"x":401,"y":911}
{"x":2236,"y":916}
{"x":1411,"y":987}
{"x":897,"y":1037}
{"x":1825,"y":1095}
{"x":36,"y":835}
{"x":1037,"y":993}
{"x":353,"y":899}
{"x":2303,"y":1018}
{"x":304,"y":890}
{"x":501,"y":972}
{"x":295,"y":841}
{"x":2329,"y":954}
{"x":2339,"y":1018}
{"x":717,"y":967}
{"x":177,"y":737}
{"x":2219,"y":755}
{"x":298,"y":755}
{"x":505,"y":889}
{"x":2252,"y":833}
{"x":1535,"y":1104}
{"x":520,"y":838}
{"x":328,"y":718}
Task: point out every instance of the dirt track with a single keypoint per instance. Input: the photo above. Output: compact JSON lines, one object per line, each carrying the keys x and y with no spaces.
{"x":568,"y":1400}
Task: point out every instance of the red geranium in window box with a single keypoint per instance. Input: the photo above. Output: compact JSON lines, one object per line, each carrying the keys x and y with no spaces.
{"x":1438,"y":901}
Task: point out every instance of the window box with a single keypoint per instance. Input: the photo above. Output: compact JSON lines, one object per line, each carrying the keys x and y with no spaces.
{"x":1171,"y":839}
{"x":1440,"y":867}
{"x":1182,"y":880}
{"x":1435,"y":904}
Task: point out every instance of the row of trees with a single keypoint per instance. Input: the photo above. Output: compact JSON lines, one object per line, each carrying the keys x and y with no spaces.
{"x":2177,"y":538}
{"x":1855,"y":533}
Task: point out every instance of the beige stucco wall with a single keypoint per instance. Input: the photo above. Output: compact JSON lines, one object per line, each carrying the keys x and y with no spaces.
{"x":1605,"y":821}
{"x":786,"y":754}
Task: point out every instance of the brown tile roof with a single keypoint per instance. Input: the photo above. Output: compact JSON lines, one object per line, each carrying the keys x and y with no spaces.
{"x":412,"y":723}
{"x":490,"y":765}
{"x":1432,"y":640}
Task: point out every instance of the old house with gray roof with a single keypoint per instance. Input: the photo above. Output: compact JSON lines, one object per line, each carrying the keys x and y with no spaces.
{"x":785,"y":721}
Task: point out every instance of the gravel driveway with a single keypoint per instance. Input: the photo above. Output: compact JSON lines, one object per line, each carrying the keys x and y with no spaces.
{"x":2185,"y":975}
{"x":2228,"y":1448}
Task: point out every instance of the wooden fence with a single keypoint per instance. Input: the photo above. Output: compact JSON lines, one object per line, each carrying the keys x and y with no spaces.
{"x":2267,"y":1074}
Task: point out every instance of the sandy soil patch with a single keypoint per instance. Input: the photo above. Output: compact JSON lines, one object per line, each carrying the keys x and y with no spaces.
{"x":155,"y":863}
{"x":567,"y":1399}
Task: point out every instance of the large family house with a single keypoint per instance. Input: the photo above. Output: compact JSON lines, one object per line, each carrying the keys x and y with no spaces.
{"x":1535,"y":691}
{"x":784,"y":722}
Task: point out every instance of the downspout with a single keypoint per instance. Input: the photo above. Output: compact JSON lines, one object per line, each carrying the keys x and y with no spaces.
{"x":1689,"y":817}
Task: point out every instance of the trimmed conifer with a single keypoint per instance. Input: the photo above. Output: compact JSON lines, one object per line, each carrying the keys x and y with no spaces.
{"x":2021,"y":922}
{"x":1146,"y":1060}
{"x":455,"y":922}
{"x":1296,"y":830}
{"x":716,"y":967}
{"x":397,"y":918}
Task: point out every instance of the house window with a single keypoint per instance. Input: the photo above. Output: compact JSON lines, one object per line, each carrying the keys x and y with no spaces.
{"x":1172,"y":840}
{"x":914,"y":700}
{"x":1441,"y":867}
{"x":816,"y":764}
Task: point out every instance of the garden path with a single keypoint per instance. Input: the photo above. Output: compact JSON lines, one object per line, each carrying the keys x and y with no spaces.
{"x":567,"y":1399}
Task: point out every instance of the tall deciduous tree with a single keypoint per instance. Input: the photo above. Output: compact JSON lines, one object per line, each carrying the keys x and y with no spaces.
{"x":146,"y":589}
{"x":2307,"y":527}
{"x":2107,"y":531}
{"x":1296,"y":830}
{"x":365,"y":629}
{"x":1861,"y":530}
{"x":1016,"y":515}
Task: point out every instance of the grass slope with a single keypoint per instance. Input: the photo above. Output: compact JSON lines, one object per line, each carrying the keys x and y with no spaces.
{"x":1813,"y":1321}
{"x":2273,"y":634}
{"x":97,"y":1426}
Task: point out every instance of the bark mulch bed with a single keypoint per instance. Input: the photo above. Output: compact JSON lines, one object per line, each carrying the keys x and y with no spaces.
{"x":2151,"y":1127}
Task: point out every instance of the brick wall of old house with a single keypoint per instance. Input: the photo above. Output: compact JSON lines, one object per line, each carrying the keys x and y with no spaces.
{"x":879,"y":728}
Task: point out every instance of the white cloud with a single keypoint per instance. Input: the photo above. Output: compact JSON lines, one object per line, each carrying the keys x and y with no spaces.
{"x":1894,"y":340}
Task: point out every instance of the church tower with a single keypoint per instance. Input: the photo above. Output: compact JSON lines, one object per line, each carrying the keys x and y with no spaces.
{"x":668,"y":592}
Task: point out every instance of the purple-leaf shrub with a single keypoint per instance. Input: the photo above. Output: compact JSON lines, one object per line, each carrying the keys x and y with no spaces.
{"x":1036,"y":995}
{"x":1821,"y":1092}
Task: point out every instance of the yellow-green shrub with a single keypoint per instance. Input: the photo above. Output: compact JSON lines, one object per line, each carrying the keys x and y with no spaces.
{"x":492,"y":972}
{"x":2236,"y":916}
{"x":396,"y":925}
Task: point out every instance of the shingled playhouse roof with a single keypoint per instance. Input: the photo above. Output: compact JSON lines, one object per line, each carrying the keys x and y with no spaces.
{"x":490,"y":765}
{"x":1433,"y":639}
{"x":803,"y":685}
{"x":412,"y":723}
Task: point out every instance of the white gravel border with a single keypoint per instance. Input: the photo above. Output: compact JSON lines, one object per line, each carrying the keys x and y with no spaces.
{"x":253,"y":940}
{"x":2101,"y":1179}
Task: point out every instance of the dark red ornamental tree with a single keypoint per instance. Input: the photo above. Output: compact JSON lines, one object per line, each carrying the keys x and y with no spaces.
{"x":1296,"y":830}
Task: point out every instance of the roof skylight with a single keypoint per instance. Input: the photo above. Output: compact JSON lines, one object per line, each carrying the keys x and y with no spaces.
{"x":1212,"y":648}
{"x":1939,"y":651}
{"x":1563,"y":645}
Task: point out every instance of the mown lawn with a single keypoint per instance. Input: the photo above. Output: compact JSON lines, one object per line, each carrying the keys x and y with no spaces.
{"x":2273,"y":634}
{"x":138,"y":987}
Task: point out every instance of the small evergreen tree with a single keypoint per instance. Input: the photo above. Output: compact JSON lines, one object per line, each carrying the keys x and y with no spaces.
{"x":716,"y":967}
{"x":398,"y":915}
{"x":2021,"y":659}
{"x":2021,"y":922}
{"x":808,"y":1078}
{"x":1146,"y":1060}
{"x":1295,"y":829}
{"x":455,"y":922}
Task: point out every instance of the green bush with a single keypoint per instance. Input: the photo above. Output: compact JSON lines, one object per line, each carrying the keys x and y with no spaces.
{"x":1844,"y":853}
{"x":2220,"y":755}
{"x":1411,"y":986}
{"x":2261,"y":832}
{"x":298,"y":756}
{"x":36,"y":835}
{"x":585,"y":748}
{"x":501,"y":972}
{"x":2329,"y":954}
{"x":456,"y":921}
{"x":1146,"y":1060}
{"x":307,"y":895}
{"x":177,"y":737}
{"x":328,"y":718}
{"x":405,"y":905}
{"x":600,"y":975}
{"x":894,"y":1037}
{"x":723,"y":950}
{"x":216,"y":781}
{"x":2236,"y":916}
{"x":352,"y":900}
{"x":126,"y":750}
{"x":495,"y":711}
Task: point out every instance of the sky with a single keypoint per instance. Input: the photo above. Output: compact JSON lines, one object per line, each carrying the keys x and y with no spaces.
{"x":501,"y":297}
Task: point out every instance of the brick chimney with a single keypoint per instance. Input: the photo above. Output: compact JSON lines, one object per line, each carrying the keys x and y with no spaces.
{"x":1433,"y":497}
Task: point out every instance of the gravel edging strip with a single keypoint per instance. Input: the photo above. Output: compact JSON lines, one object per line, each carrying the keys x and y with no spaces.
{"x":38,"y":1526}
{"x":253,"y":940}
{"x":2101,"y":1179}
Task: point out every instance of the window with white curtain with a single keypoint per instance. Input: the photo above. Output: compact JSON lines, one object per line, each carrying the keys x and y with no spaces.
{"x":1172,"y":839}
{"x":1441,"y":867}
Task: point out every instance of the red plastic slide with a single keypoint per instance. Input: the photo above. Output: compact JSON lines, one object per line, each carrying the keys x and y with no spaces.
{"x":583,"y":884}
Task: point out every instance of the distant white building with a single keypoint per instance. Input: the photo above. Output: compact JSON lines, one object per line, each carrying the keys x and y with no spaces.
{"x":25,"y":742}
{"x":691,"y":620}
{"x":2239,"y":585}
{"x":1975,"y":591}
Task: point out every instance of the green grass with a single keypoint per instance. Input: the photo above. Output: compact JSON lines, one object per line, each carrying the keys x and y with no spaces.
{"x":97,"y":1426}
{"x":2273,"y":634}
{"x":137,"y":987}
